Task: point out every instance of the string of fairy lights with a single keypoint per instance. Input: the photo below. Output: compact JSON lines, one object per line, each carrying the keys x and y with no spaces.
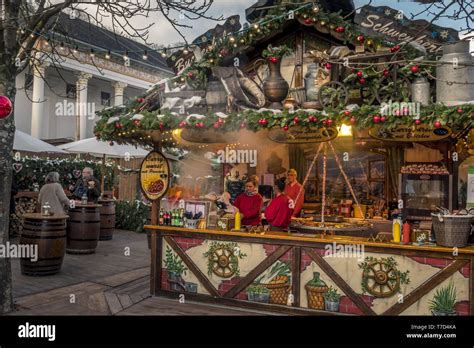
{"x":164,"y":52}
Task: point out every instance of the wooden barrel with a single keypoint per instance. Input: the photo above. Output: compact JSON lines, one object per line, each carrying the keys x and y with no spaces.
{"x":107,"y":219}
{"x":83,"y":229}
{"x":48,"y":235}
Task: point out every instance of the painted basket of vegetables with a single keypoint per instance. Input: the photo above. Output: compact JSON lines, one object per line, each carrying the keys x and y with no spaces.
{"x":315,"y":290}
{"x":279,"y":285}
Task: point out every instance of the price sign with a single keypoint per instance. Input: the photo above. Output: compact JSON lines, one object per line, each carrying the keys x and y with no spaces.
{"x":154,"y":175}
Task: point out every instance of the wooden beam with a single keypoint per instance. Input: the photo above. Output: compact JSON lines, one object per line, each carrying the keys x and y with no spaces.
{"x":296,"y":276}
{"x":426,"y":287}
{"x":260,"y":268}
{"x":156,"y":261}
{"x":341,"y":283}
{"x":192,"y":267}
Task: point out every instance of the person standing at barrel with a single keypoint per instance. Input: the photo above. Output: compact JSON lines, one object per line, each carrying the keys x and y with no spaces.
{"x":295,"y":191}
{"x":53,"y":193}
{"x":87,"y":185}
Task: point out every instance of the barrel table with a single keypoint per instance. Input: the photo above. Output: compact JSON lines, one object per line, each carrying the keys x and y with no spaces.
{"x":107,"y":219}
{"x":83,"y":229}
{"x":48,"y":235}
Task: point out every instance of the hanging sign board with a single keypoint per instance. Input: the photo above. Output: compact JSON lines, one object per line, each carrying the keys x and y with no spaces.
{"x":302,"y":135}
{"x":410,"y":133}
{"x":154,"y":175}
{"x":394,"y":26}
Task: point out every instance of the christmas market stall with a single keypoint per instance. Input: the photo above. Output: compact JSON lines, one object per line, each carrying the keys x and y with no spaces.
{"x":366,"y":112}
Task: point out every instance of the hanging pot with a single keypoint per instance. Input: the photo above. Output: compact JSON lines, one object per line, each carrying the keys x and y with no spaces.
{"x":275,"y":86}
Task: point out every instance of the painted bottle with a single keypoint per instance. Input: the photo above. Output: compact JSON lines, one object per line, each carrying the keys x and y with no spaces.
{"x":406,"y":232}
{"x":396,"y":230}
{"x":237,"y":220}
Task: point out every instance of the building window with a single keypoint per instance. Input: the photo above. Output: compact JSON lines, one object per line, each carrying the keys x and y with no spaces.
{"x":105,"y":98}
{"x":71,"y":91}
{"x":29,"y":82}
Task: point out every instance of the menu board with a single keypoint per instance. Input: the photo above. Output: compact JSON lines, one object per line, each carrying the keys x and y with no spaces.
{"x":154,"y":175}
{"x":235,"y":188}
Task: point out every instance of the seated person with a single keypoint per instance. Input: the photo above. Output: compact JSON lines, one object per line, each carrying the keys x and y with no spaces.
{"x":278,"y":212}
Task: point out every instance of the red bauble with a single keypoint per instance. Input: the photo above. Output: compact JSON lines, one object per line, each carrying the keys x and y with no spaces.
{"x":353,"y":120}
{"x":360,"y":74}
{"x":330,"y":122}
{"x":140,"y":100}
{"x":415,"y":69}
{"x":312,"y":118}
{"x":437,"y":124}
{"x":386,"y":73}
{"x":216,"y":125}
{"x":339,"y":29}
{"x":263,"y":122}
{"x":347,"y":113}
{"x":182,"y":124}
{"x":376,"y":119}
{"x":190,"y":75}
{"x":273,"y":59}
{"x":117,"y":125}
{"x":460,"y":111}
{"x":395,"y":48}
{"x":285,"y":127}
{"x":472,"y":115}
{"x":324,"y":122}
{"x":223,"y":52}
{"x":220,"y":121}
{"x":296,"y":120}
{"x":137,"y":123}
{"x":308,"y":21}
{"x":417,"y":122}
{"x":327,"y":66}
{"x":360,"y":38}
{"x":362,"y":81}
{"x":382,"y":119}
{"x":162,"y":126}
{"x":6,"y":107}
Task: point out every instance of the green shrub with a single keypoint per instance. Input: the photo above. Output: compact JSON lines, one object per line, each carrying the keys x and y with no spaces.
{"x":131,"y":216}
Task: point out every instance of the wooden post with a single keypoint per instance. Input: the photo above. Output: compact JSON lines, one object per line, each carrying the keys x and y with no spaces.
{"x":156,"y":245}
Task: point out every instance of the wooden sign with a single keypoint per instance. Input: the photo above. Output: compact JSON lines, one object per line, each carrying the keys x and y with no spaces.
{"x":302,"y":135}
{"x":394,"y":26}
{"x":179,"y":61}
{"x":154,"y":175}
{"x":410,"y":133}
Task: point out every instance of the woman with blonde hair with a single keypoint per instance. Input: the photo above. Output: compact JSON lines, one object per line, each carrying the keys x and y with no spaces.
{"x":53,"y":193}
{"x":250,"y":202}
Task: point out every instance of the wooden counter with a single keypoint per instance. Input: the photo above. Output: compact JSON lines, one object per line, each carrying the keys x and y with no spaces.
{"x":357,"y":268}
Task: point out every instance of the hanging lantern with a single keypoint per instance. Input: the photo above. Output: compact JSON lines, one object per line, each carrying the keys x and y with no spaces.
{"x":6,"y":107}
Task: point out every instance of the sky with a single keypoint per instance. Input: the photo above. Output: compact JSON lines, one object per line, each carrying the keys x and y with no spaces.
{"x":163,"y":33}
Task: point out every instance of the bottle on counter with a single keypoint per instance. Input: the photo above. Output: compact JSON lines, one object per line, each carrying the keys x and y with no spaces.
{"x":84,"y":199}
{"x":167,"y":218}
{"x":238,"y":220}
{"x":396,"y":230}
{"x":161,"y":221}
{"x":181,"y":218}
{"x":406,"y":232}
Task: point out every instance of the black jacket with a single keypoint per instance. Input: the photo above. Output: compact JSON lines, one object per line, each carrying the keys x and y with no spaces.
{"x":81,"y":187}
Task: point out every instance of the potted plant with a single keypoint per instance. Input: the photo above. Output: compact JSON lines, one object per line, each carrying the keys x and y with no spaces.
{"x":444,"y":301}
{"x":332,"y":299}
{"x":258,"y":293}
{"x":175,"y":267}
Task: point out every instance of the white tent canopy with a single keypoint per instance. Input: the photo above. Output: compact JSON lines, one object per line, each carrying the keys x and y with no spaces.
{"x":25,"y":142}
{"x":101,"y":148}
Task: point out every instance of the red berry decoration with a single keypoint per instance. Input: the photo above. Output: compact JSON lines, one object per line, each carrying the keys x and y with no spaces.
{"x":376,"y":119}
{"x":437,"y":124}
{"x":324,"y":122}
{"x":347,"y":113}
{"x":415,"y":69}
{"x":327,"y":66}
{"x":308,"y":21}
{"x":386,"y":73}
{"x":296,"y":120}
{"x":362,"y":81}
{"x":360,"y":38}
{"x":117,"y":125}
{"x":182,"y":124}
{"x":395,"y":48}
{"x":382,"y":119}
{"x":330,"y":122}
{"x":162,"y":126}
{"x":360,"y":74}
{"x":353,"y":120}
{"x":273,"y":59}
{"x":417,"y":122}
{"x":312,"y":118}
{"x":190,"y":75}
{"x":285,"y":127}
{"x":460,"y":111}
{"x":6,"y":107}
{"x":223,"y":52}
{"x":339,"y":29}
